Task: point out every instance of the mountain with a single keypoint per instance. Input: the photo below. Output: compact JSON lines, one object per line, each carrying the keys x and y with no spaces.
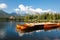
{"x":19,"y":14}
{"x":14,"y":14}
{"x":3,"y":14}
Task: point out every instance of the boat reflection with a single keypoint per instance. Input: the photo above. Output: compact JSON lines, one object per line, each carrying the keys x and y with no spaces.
{"x":22,"y":33}
{"x":25,"y":31}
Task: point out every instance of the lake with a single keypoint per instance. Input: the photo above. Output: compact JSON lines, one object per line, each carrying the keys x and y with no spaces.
{"x":8,"y":32}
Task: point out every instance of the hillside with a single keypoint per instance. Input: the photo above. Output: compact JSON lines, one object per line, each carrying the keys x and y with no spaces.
{"x":3,"y":14}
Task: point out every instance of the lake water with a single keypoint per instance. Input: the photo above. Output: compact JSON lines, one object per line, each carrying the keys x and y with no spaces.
{"x":8,"y":32}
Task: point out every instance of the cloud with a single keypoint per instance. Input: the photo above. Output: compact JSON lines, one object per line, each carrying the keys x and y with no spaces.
{"x":17,"y":10}
{"x":24,"y":8}
{"x":30,"y":9}
{"x":3,"y":5}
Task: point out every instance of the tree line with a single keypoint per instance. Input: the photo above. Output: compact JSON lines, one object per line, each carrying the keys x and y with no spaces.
{"x":42,"y":16}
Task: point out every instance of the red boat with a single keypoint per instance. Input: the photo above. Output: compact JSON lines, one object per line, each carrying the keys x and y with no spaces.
{"x":37,"y":26}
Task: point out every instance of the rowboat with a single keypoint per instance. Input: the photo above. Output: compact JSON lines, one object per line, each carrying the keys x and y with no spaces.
{"x":36,"y":26}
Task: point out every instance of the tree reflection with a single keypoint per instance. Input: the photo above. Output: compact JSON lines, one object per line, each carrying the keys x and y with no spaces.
{"x":2,"y":25}
{"x":2,"y":30}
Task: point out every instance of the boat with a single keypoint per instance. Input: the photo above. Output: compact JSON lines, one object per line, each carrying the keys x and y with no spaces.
{"x":36,"y":26}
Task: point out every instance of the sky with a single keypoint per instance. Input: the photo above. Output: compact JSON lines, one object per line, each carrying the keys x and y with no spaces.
{"x":30,"y":5}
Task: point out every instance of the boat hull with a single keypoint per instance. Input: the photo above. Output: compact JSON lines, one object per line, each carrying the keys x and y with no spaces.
{"x":26,"y":28}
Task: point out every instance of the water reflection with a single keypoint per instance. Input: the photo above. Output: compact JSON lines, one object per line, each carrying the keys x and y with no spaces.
{"x":2,"y":30}
{"x":2,"y":34}
{"x":8,"y":32}
{"x":48,"y":32}
{"x":30,"y":33}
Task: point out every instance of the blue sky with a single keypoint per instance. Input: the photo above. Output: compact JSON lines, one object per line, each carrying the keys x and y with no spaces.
{"x":43,"y":4}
